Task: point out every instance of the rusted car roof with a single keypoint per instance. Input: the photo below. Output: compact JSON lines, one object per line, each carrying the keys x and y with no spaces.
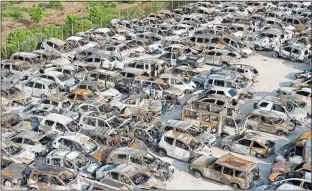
{"x":180,"y":136}
{"x":300,"y":141}
{"x":82,"y":92}
{"x":234,"y":162}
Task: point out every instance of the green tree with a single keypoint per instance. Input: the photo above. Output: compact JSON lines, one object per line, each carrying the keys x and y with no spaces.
{"x":71,"y":19}
{"x":52,"y":31}
{"x":15,"y":39}
{"x":36,"y":13}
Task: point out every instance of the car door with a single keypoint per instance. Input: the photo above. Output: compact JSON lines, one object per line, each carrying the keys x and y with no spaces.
{"x":28,"y":87}
{"x":56,"y":183}
{"x":253,"y":122}
{"x":214,"y":172}
{"x":169,"y":146}
{"x":181,"y":151}
{"x":38,"y":89}
{"x":242,"y":146}
{"x":295,"y":53}
{"x":226,"y":175}
{"x":119,"y":158}
{"x":44,"y":182}
{"x":209,"y":57}
{"x":267,"y":125}
{"x":285,"y":52}
{"x":173,"y":58}
{"x":217,"y":59}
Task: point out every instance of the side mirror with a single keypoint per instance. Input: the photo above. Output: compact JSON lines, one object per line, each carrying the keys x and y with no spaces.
{"x":255,"y":105}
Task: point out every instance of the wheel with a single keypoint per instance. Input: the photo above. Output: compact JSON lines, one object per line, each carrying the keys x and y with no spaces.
{"x":278,"y":178}
{"x":197,"y":173}
{"x":115,"y":108}
{"x":234,"y":186}
{"x":8,"y":184}
{"x":224,"y":64}
{"x":275,"y":54}
{"x":43,"y":96}
{"x":33,"y":188}
{"x":258,"y":155}
{"x":197,"y":85}
{"x":188,"y":91}
{"x":226,"y":148}
{"x":162,"y":152}
{"x":280,"y":133}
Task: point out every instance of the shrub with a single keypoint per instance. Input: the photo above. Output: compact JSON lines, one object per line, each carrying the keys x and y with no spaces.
{"x":56,"y":5}
{"x":52,"y":31}
{"x":16,"y":38}
{"x":36,"y":13}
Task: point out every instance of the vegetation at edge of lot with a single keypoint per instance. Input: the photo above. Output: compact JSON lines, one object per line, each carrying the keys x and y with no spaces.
{"x":99,"y":15}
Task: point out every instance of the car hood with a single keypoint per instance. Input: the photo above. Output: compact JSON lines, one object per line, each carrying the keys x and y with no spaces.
{"x":283,"y":167}
{"x":21,"y":96}
{"x":155,"y":183}
{"x":26,"y":156}
{"x":227,"y":139}
{"x":204,"y":150}
{"x":111,"y":92}
{"x":299,"y":113}
{"x":175,"y":91}
{"x":247,"y":51}
{"x":207,"y":138}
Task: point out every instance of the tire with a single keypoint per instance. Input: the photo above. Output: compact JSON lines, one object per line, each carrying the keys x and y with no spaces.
{"x":226,"y":148}
{"x":8,"y":184}
{"x":33,"y":188}
{"x":224,"y":64}
{"x":278,"y":178}
{"x":132,"y":55}
{"x":197,"y":84}
{"x":258,"y":155}
{"x":196,"y":173}
{"x":275,"y":54}
{"x":43,"y":96}
{"x":162,"y":152}
{"x":188,"y":91}
{"x":235,"y":186}
{"x":280,"y":133}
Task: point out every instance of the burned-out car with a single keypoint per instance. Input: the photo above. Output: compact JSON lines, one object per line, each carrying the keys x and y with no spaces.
{"x":249,"y":144}
{"x":141,"y":158}
{"x":109,"y":137}
{"x":47,"y":177}
{"x":92,"y":120}
{"x":78,"y":142}
{"x":14,"y":175}
{"x":55,"y":123}
{"x":281,"y":107}
{"x":219,"y":57}
{"x":14,"y":123}
{"x":23,"y":70}
{"x":94,"y":105}
{"x":181,"y":146}
{"x":293,"y":52}
{"x":133,"y":177}
{"x":39,"y":87}
{"x":260,"y":120}
{"x":228,"y":169}
{"x":15,"y":153}
{"x":33,"y":141}
{"x":247,"y":71}
{"x":136,"y":101}
{"x":84,"y":165}
{"x":297,"y":151}
{"x":190,"y":129}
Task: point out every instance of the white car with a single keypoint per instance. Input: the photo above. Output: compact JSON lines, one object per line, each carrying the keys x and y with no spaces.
{"x":280,"y":106}
{"x":216,"y":90}
{"x":39,"y":87}
{"x":58,"y":124}
{"x":181,"y":83}
{"x":181,"y":146}
{"x":64,"y":81}
{"x":32,"y":141}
